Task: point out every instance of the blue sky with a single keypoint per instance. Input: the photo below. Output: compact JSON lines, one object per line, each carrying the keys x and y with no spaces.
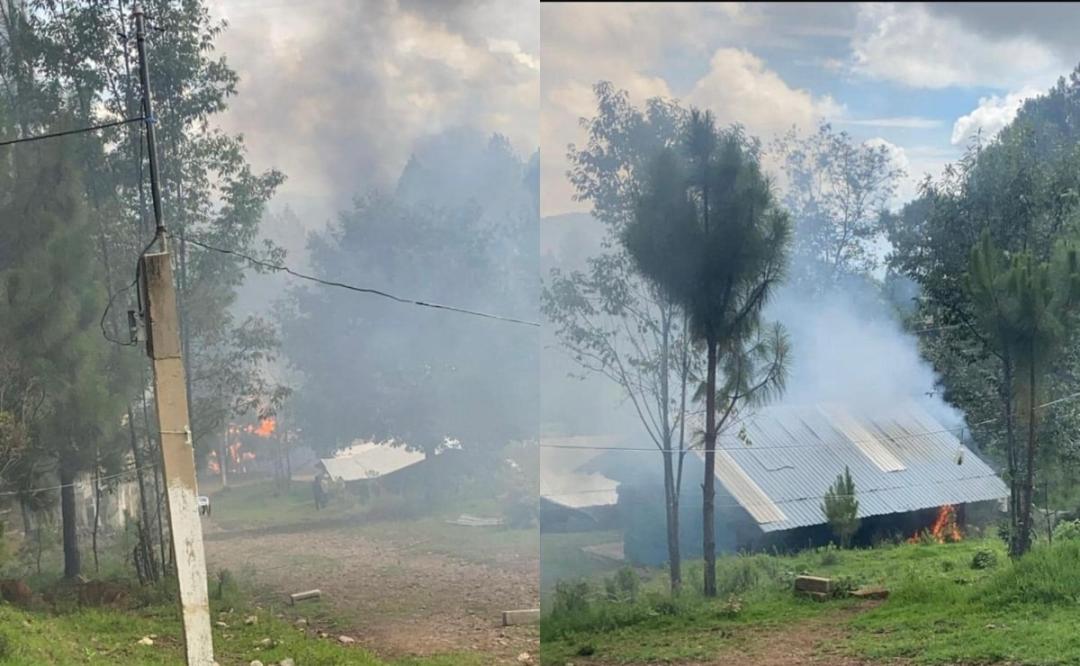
{"x":922,"y":77}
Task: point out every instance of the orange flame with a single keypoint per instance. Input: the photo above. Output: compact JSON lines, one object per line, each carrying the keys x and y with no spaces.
{"x":266,"y":427}
{"x":945,"y":528}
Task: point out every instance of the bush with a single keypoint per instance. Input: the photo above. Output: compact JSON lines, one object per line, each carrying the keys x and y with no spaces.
{"x":623,"y":586}
{"x":1046,"y":575}
{"x":571,"y":597}
{"x":1068,"y":530}
{"x":843,"y":586}
{"x":830,"y":556}
{"x":740,"y":575}
{"x":984,"y":559}
{"x":732,"y":607}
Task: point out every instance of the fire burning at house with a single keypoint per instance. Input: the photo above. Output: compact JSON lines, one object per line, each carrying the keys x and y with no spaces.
{"x":946,"y":528}
{"x":237,"y":452}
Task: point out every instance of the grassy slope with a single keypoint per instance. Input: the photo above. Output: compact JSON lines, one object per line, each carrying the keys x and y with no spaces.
{"x":940,"y":611}
{"x":104,"y":636}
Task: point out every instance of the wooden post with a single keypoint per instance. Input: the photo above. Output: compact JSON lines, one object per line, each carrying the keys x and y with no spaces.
{"x":177,"y":455}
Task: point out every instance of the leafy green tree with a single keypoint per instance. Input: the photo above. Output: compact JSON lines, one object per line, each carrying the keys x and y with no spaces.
{"x":73,"y":64}
{"x":841,"y":508}
{"x":374,"y":368}
{"x":1024,"y":308}
{"x":708,"y":233}
{"x":50,"y":310}
{"x":836,"y":190}
{"x":610,"y":320}
{"x":1021,"y":188}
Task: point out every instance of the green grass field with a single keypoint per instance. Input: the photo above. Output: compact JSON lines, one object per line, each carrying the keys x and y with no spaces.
{"x":111,"y":636}
{"x":941,"y":610}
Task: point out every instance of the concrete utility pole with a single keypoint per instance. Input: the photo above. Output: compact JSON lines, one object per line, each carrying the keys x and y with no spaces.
{"x":170,"y":394}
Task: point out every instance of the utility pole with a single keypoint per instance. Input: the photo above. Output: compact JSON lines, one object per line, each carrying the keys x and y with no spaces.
{"x":170,"y":394}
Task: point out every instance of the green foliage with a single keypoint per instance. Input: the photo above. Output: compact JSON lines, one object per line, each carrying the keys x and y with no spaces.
{"x":841,"y":508}
{"x":623,"y":586}
{"x":984,"y":559}
{"x":1068,"y":530}
{"x":1046,"y":575}
{"x":475,"y":254}
{"x":571,"y":597}
{"x":830,"y":555}
{"x":837,"y":188}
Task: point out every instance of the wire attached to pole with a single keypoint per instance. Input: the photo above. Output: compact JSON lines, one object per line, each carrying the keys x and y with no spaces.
{"x":81,"y":130}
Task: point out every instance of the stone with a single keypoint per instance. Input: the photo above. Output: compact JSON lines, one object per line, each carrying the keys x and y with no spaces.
{"x":287,"y":661}
{"x":524,"y":658}
{"x":146,"y":640}
{"x":255,"y":662}
{"x":871,"y":593}
{"x":346,"y":640}
{"x":530,"y":616}
{"x":813,"y":584}
{"x":221,"y":625}
{"x":250,"y":619}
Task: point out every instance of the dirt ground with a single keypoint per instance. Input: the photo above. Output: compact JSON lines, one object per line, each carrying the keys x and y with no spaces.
{"x":808,"y":643}
{"x":393,"y":595}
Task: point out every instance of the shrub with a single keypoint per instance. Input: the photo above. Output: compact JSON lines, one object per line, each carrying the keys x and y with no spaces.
{"x":732,"y":607}
{"x":571,"y":597}
{"x":623,"y":586}
{"x":1045,"y":575}
{"x":984,"y":559}
{"x":830,"y":556}
{"x":739,"y":576}
{"x":1068,"y":530}
{"x":843,"y":586}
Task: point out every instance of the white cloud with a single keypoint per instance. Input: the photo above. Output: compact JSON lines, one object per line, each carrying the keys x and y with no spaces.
{"x":991,"y":116}
{"x":907,"y":44}
{"x":739,"y":88}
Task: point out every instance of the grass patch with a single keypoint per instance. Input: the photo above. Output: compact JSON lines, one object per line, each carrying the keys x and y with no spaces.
{"x":30,"y":638}
{"x":949,"y":604}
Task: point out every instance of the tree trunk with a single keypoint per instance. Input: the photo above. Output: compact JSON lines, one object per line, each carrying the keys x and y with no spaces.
{"x":671,"y":502}
{"x":145,"y":540}
{"x":72,"y":562}
{"x":708,"y":509}
{"x":223,"y":459}
{"x":1011,"y":459}
{"x":97,"y":516}
{"x":1029,"y":471}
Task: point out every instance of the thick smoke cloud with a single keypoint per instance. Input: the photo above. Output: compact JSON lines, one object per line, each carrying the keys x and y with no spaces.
{"x":336,"y":93}
{"x":849,"y":348}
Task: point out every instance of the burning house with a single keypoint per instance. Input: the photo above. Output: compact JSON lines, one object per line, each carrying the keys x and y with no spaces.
{"x":911,"y":475}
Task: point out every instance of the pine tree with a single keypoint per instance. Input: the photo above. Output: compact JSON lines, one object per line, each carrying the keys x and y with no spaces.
{"x":841,"y":508}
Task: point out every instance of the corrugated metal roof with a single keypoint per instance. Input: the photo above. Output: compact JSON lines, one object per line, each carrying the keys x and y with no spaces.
{"x":369,"y":460}
{"x":562,"y":480}
{"x":793,"y":454}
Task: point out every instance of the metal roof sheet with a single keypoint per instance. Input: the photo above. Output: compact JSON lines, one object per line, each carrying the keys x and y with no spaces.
{"x":791,"y":455}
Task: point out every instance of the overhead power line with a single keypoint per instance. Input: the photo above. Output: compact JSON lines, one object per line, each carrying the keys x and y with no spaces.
{"x":362,"y":290}
{"x":81,"y":130}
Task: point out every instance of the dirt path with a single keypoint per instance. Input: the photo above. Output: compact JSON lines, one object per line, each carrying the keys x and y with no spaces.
{"x":811,"y":642}
{"x":394,"y":596}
